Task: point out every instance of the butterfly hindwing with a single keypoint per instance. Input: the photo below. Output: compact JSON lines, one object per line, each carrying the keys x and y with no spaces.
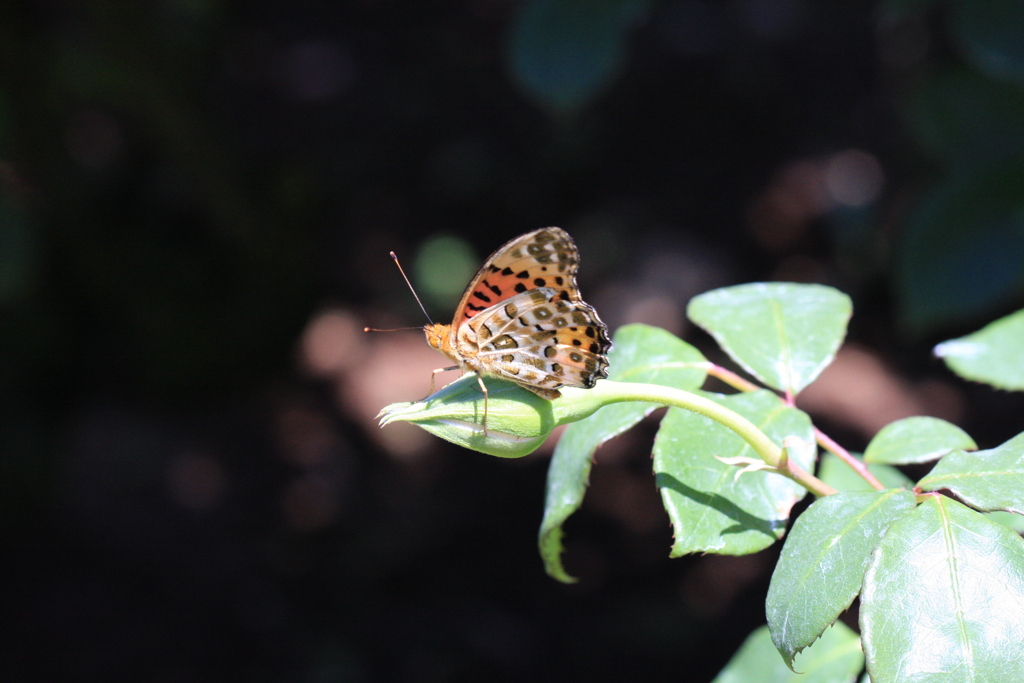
{"x":542,"y":340}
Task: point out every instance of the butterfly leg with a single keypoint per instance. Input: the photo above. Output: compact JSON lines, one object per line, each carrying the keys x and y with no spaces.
{"x":434,"y":374}
{"x":483,"y":388}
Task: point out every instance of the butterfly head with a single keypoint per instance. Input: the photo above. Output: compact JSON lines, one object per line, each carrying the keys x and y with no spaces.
{"x":437,"y":335}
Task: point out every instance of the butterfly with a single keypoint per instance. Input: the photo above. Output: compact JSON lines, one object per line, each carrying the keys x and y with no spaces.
{"x":522,"y":319}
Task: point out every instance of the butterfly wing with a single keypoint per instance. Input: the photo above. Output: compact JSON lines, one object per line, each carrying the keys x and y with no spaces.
{"x":542,"y":341}
{"x":542,"y":258}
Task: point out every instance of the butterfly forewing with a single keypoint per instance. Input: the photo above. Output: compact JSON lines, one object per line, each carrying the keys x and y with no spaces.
{"x":542,"y":258}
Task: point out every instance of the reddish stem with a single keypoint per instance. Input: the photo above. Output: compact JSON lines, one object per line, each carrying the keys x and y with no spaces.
{"x":860,"y":468}
{"x":742,"y":384}
{"x":731,"y":378}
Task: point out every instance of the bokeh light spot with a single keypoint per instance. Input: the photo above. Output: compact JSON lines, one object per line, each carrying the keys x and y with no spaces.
{"x":854,"y":178}
{"x":332,"y":342}
{"x":444,"y":266}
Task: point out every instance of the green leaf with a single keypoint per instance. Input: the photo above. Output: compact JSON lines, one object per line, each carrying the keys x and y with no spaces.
{"x":564,"y":52}
{"x":994,"y":354}
{"x":961,"y":117}
{"x":836,"y":658}
{"x":821,"y":568}
{"x":714,"y":508}
{"x":837,"y":474}
{"x":915,"y":440}
{"x":943,"y":599}
{"x":987,"y":480}
{"x":640,"y":353}
{"x":1008,"y":519}
{"x":784,"y":334}
{"x":960,"y":253}
{"x":989,"y":34}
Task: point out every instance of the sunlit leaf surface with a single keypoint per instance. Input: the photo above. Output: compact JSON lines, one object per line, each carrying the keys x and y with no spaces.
{"x":943,"y":599}
{"x":713,"y":507}
{"x":915,"y":440}
{"x":822,"y":565}
{"x":784,"y":334}
{"x":988,"y":480}
{"x":993,"y":354}
{"x":835,"y":658}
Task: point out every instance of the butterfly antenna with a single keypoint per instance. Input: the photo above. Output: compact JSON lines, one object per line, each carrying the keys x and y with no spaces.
{"x":396,"y":329}
{"x":406,"y":278}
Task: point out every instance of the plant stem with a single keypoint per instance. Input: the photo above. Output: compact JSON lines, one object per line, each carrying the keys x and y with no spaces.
{"x":730,"y":378}
{"x":614,"y":392}
{"x":741,"y":384}
{"x":860,"y":468}
{"x":806,"y":479}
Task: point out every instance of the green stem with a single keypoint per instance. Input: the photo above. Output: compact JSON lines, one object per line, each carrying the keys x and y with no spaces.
{"x":608,"y":391}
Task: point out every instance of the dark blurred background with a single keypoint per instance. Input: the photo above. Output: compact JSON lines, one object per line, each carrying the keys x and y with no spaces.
{"x":197,"y":200}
